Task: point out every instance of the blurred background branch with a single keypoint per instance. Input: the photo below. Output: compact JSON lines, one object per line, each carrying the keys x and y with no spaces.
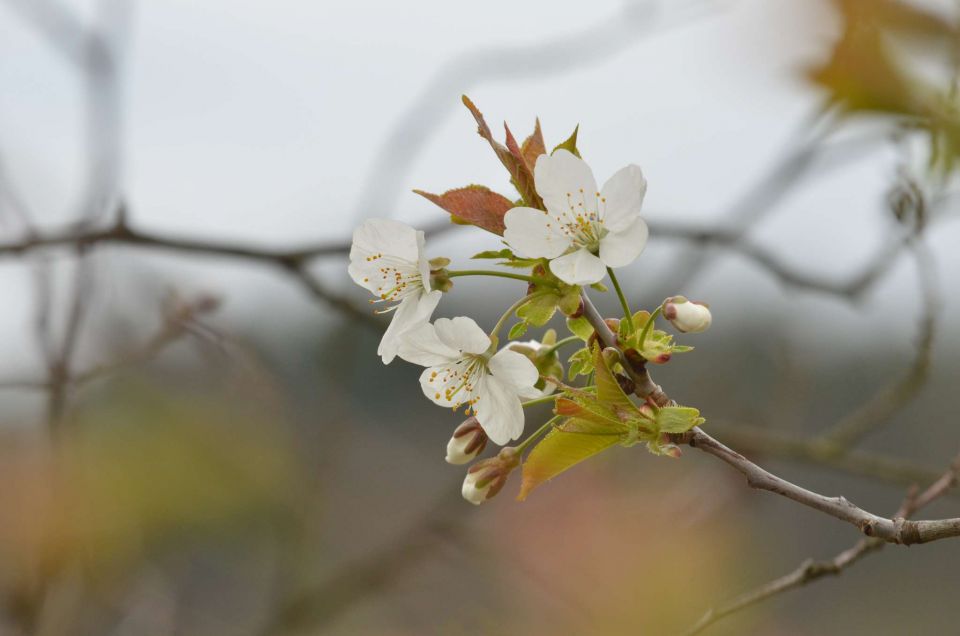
{"x":290,"y":497}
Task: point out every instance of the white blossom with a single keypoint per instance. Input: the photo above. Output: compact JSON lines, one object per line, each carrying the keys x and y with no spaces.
{"x":387,"y":258}
{"x":462,"y":372}
{"x":584,"y":230}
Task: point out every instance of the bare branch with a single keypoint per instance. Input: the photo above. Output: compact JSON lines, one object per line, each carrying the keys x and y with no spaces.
{"x":754,"y":439}
{"x":811,"y":570}
{"x":897,"y":530}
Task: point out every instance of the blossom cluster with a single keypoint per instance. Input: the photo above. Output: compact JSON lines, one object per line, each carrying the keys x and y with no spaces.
{"x":569,"y":234}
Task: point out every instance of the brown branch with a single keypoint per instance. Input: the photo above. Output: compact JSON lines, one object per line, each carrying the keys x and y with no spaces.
{"x":811,"y":570}
{"x":897,"y":530}
{"x":762,"y":440}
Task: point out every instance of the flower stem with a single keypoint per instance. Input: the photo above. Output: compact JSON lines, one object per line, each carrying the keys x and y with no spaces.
{"x":560,"y":343}
{"x":623,"y":299}
{"x":509,"y":312}
{"x":539,"y":400}
{"x":522,"y":446}
{"x":539,"y":280}
{"x":647,"y":327}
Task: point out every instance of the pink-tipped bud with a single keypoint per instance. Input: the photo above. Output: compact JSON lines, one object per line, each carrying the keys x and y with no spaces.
{"x":487,"y":477}
{"x":467,"y":442}
{"x":687,"y":316}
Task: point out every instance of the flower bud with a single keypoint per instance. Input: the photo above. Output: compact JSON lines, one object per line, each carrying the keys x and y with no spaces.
{"x":468,"y":441}
{"x":548,"y":363}
{"x":687,"y":316}
{"x":487,"y":477}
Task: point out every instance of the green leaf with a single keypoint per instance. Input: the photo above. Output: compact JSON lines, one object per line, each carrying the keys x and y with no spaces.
{"x":608,"y":389}
{"x":603,"y":417}
{"x":475,"y":204}
{"x":570,"y":301}
{"x":557,"y":452}
{"x":538,"y":311}
{"x":580,"y":327}
{"x":504,"y":253}
{"x":521,"y":263}
{"x":517,"y":330}
{"x":571,"y":143}
{"x":678,"y":419}
{"x":600,"y":287}
{"x":581,"y":363}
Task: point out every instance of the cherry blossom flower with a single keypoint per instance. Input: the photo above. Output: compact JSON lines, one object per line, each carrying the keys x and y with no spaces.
{"x":462,"y":371}
{"x":584,"y":230}
{"x":387,"y":258}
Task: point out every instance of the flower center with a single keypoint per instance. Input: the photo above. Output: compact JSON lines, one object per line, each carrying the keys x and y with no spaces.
{"x":457,"y":382}
{"x":396,"y":279}
{"x":582,"y":221}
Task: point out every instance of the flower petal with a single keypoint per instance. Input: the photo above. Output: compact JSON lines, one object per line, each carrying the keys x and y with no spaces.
{"x":578,"y":268}
{"x":423,"y":263}
{"x":516,"y":370}
{"x":566,"y":184}
{"x":622,"y":197}
{"x":532,"y":233}
{"x":618,"y":249}
{"x":411,"y":312}
{"x":462,"y":334}
{"x":421,"y":345}
{"x":387,"y":236}
{"x":499,"y":411}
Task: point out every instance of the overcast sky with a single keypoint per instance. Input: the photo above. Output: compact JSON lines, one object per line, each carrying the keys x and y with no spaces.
{"x":292,"y":120}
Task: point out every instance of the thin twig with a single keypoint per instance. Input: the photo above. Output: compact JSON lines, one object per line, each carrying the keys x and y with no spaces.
{"x":762,"y":440}
{"x":897,"y":530}
{"x":811,"y":570}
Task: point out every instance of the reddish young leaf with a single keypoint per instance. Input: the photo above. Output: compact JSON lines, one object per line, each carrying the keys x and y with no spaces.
{"x":520,"y":174}
{"x":474,"y":204}
{"x":533,"y":146}
{"x":523,"y":176}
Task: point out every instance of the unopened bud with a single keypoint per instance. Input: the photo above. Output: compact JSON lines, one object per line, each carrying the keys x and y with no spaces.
{"x":487,"y":477}
{"x":687,"y":316}
{"x":544,"y":358}
{"x":468,"y":441}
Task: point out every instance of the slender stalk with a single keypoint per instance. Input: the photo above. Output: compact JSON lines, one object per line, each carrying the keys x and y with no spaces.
{"x":522,"y":446}
{"x":509,"y":312}
{"x":539,"y":280}
{"x":560,"y":343}
{"x":539,"y":400}
{"x":627,"y":315}
{"x":647,"y":327}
